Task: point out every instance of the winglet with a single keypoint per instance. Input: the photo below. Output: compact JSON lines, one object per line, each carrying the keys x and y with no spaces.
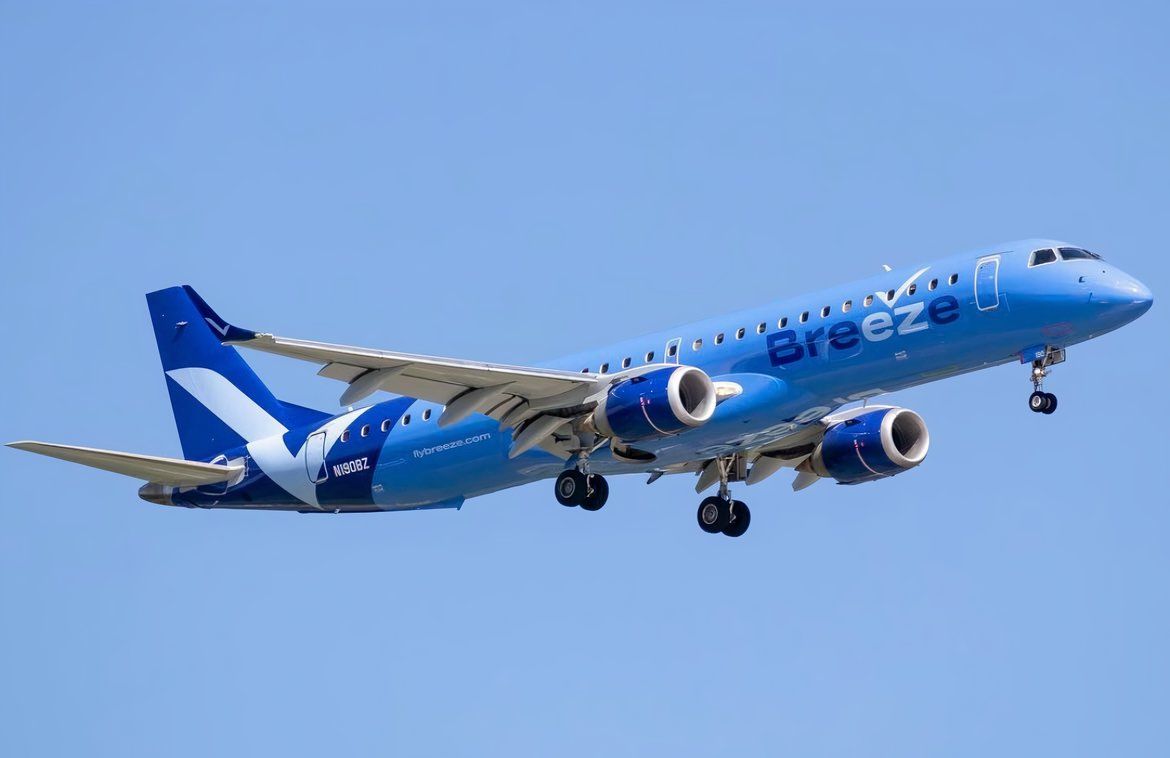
{"x":224,"y":331}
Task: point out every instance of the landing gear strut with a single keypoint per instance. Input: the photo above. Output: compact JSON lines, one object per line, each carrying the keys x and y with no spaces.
{"x":576,"y":486}
{"x":721,"y":514}
{"x":1040,"y":401}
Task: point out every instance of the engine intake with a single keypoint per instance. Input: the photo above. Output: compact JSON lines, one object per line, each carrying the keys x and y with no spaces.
{"x":659,"y":403}
{"x":872,"y":446}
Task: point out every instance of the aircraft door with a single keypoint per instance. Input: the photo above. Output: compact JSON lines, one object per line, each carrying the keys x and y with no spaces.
{"x":673,"y":348}
{"x":315,"y":458}
{"x":987,"y":283}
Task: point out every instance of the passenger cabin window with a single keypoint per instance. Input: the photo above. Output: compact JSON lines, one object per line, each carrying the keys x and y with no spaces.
{"x":650,"y":357}
{"x":427,"y":415}
{"x":604,"y":368}
{"x":386,"y":425}
{"x":804,"y":317}
{"x":696,"y":344}
{"x":1040,"y":257}
{"x":672,"y":351}
{"x":825,"y":311}
{"x":406,"y":420}
{"x":911,"y":289}
{"x":783,"y":322}
{"x":345,"y":436}
{"x":953,"y":280}
{"x":719,"y":338}
{"x":366,"y":430}
{"x":889,"y":296}
{"x":626,"y":362}
{"x":761,"y":327}
{"x":1077,"y":254}
{"x":933,"y":284}
{"x":740,"y":332}
{"x":846,"y":306}
{"x":868,"y":301}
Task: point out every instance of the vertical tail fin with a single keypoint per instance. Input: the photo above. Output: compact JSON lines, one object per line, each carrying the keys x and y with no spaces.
{"x":218,"y":401}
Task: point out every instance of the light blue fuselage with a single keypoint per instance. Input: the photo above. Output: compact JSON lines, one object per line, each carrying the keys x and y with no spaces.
{"x":951,"y":316}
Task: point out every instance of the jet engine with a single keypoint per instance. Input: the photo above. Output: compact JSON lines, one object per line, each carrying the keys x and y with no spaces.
{"x":871,"y":445}
{"x":659,"y":403}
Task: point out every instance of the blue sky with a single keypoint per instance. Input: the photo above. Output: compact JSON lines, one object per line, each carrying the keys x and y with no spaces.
{"x":511,"y":182}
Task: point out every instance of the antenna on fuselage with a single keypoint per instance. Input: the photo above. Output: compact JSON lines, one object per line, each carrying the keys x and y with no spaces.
{"x":887,"y":267}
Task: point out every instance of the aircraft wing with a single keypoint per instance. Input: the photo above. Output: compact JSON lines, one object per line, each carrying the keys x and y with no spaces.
{"x":427,"y":377}
{"x":535,"y":401}
{"x":169,"y":471}
{"x":757,"y":464}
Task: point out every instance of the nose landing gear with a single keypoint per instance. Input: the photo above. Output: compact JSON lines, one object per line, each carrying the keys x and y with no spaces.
{"x":1040,"y":401}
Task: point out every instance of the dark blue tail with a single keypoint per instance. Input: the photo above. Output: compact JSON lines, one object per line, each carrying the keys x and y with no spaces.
{"x":218,"y":401}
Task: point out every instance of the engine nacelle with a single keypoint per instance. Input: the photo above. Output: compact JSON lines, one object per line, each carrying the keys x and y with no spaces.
{"x":872,"y":445}
{"x":659,"y":403}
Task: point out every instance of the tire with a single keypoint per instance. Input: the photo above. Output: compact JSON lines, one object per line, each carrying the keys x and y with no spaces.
{"x":1038,"y":401}
{"x":713,"y":515}
{"x":741,"y":518}
{"x":570,"y":487}
{"x":598,"y":493}
{"x":1050,"y":404}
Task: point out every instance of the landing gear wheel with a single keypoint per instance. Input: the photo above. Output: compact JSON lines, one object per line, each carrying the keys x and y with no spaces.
{"x":570,"y":487}
{"x":741,"y":518}
{"x":714,"y":515}
{"x":1041,"y":401}
{"x":598,"y":493}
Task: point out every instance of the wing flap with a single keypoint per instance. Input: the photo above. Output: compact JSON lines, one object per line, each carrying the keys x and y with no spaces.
{"x":169,"y":471}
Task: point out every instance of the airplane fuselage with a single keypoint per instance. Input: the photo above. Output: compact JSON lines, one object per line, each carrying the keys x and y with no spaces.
{"x":795,"y":361}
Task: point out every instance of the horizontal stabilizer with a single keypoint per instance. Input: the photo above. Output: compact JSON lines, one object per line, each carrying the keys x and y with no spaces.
{"x":169,"y":471}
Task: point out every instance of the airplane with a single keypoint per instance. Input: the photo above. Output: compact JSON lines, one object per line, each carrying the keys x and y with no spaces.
{"x":733,"y":399}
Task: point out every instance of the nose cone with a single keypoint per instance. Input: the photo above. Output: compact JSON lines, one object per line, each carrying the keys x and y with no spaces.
{"x":1143,"y":298}
{"x":1120,"y":297}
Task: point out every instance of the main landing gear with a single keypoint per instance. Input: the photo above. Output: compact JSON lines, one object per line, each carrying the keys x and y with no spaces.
{"x":1040,"y":401}
{"x":576,"y":486}
{"x":720,"y":514}
{"x":590,"y":491}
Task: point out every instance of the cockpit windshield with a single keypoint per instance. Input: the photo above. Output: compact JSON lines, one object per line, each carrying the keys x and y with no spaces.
{"x":1049,"y":255}
{"x":1040,"y":257}
{"x":1076,"y":254}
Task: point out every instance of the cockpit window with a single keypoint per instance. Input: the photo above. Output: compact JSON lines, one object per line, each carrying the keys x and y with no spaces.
{"x":1040,"y":257}
{"x":1076,"y":254}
